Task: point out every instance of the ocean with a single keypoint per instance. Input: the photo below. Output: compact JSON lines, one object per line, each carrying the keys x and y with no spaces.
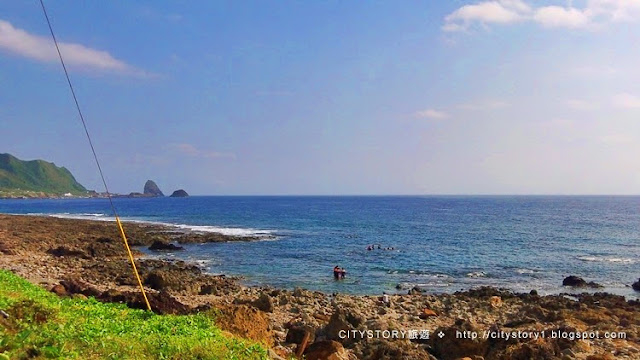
{"x":439,"y":243}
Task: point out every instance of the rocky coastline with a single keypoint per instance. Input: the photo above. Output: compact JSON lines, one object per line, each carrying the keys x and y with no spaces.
{"x":86,"y":258}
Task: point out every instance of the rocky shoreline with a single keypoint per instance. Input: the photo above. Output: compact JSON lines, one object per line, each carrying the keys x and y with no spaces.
{"x":86,"y":258}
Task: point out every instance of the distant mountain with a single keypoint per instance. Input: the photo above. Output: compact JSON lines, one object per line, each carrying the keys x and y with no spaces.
{"x":18,"y":176}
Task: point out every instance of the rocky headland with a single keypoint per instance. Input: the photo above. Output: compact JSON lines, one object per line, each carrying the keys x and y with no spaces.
{"x":86,"y":258}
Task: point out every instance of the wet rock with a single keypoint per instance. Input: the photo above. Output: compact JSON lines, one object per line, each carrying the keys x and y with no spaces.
{"x":264,"y":303}
{"x":576,"y":281}
{"x":164,"y":246}
{"x":636,"y":285}
{"x":202,"y":238}
{"x":326,"y":350}
{"x":416,"y":290}
{"x":402,"y":286}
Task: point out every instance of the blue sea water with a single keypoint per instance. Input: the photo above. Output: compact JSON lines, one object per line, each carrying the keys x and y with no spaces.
{"x":441,"y":243}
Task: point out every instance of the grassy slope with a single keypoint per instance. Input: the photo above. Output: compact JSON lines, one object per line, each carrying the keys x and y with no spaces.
{"x":36,"y":175}
{"x":43,"y":325}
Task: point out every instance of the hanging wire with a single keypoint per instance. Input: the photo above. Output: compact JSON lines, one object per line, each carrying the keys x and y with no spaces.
{"x":95,"y":157}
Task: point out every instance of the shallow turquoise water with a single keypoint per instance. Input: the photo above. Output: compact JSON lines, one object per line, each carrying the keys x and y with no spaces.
{"x":442,"y":243}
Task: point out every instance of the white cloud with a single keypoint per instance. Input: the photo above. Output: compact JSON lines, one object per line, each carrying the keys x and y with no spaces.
{"x":556,"y":16}
{"x":20,"y":42}
{"x":582,"y":105}
{"x":500,"y":11}
{"x":615,"y":10}
{"x":431,"y":114}
{"x":626,"y":101}
{"x":191,"y":150}
{"x":594,"y":12}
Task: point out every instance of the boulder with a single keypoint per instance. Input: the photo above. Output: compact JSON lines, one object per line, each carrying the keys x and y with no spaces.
{"x":326,"y":350}
{"x":636,"y":285}
{"x":163,"y":246}
{"x":59,"y":290}
{"x":451,"y":347}
{"x":264,"y":303}
{"x":151,"y":189}
{"x":74,"y":285}
{"x":161,"y":280}
{"x":161,"y":303}
{"x":416,"y":290}
{"x":67,"y":251}
{"x":342,"y":319}
{"x":179,"y":193}
{"x":296,"y":333}
{"x":576,"y":281}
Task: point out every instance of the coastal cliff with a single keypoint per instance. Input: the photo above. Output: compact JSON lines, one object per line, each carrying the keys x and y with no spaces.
{"x":36,"y":178}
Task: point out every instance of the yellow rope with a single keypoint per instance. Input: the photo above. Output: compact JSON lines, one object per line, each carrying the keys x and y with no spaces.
{"x":133,"y":263}
{"x":95,"y":156}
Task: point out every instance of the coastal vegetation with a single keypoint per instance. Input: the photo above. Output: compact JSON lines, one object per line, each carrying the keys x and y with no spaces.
{"x":35,"y":178}
{"x":37,"y":323}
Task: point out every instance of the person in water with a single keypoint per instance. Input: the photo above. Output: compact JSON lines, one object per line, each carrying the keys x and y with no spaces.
{"x":339,"y":273}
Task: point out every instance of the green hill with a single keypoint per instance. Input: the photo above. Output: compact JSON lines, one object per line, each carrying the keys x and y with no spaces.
{"x":17,"y":176}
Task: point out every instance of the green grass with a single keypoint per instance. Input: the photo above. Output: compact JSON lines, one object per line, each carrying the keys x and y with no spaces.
{"x":43,"y":325}
{"x":36,"y":175}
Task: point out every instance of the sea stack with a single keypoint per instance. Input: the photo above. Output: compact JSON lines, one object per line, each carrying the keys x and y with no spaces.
{"x":179,"y":193}
{"x":151,"y":189}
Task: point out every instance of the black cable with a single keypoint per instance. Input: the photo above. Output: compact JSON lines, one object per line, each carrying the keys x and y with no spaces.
{"x":75,"y":99}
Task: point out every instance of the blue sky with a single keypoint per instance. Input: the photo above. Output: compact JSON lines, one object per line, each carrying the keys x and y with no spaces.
{"x":331,"y":97}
